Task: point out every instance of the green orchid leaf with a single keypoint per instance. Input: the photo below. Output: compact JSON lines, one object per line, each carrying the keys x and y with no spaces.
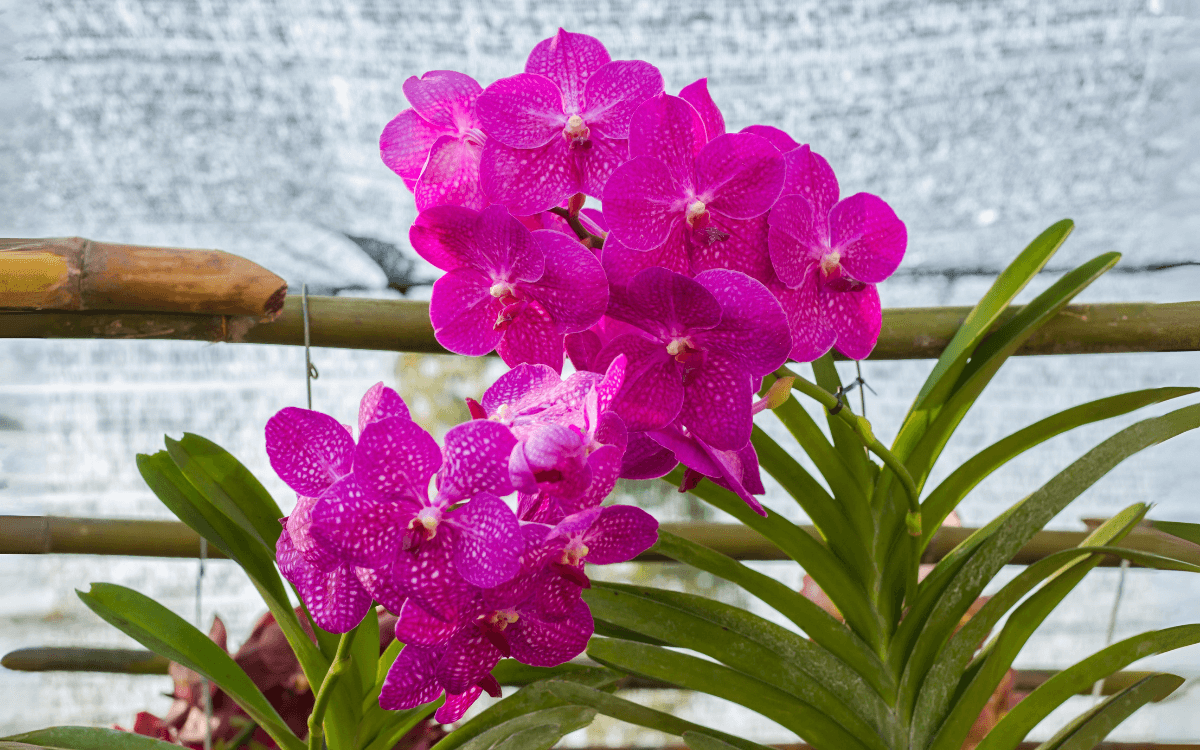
{"x":531,"y":706}
{"x":396,"y":724}
{"x":943,"y":677}
{"x":844,"y":539}
{"x":537,"y":738}
{"x":698,"y":741}
{"x":941,"y":381}
{"x":1012,"y":729}
{"x":633,"y":713}
{"x":816,"y":559}
{"x":693,"y":673}
{"x":562,"y":720}
{"x":994,"y":545}
{"x":84,"y":738}
{"x":814,"y":621}
{"x":1188,"y":532}
{"x":167,"y":634}
{"x":753,"y":646}
{"x":946,"y":497}
{"x":1090,"y":728}
{"x":187,"y":503}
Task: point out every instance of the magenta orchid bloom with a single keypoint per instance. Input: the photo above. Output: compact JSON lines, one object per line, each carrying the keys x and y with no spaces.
{"x":506,"y":288}
{"x":683,"y":198}
{"x":412,"y":681}
{"x":436,"y":145}
{"x":704,"y":344}
{"x":603,"y":536}
{"x":829,"y":255}
{"x":312,"y":453}
{"x":561,"y":127}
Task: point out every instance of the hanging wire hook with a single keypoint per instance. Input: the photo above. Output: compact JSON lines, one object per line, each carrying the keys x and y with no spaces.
{"x":1098,"y":688}
{"x":310,"y":370}
{"x":843,"y":390}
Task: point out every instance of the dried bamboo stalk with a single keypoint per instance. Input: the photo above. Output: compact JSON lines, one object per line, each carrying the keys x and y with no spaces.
{"x":76,"y":274}
{"x":403,"y":326}
{"x":107,"y":536}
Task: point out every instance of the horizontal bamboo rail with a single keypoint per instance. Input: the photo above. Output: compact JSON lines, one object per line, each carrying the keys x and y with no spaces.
{"x":32,"y":535}
{"x":403,"y":326}
{"x":134,"y":661}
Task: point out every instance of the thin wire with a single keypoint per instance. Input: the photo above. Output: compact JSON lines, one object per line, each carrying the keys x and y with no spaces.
{"x":1112,"y":621}
{"x":310,"y":370}
{"x":206,"y":686}
{"x":862,"y":392}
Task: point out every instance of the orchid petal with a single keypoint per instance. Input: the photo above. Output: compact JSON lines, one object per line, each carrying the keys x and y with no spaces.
{"x":380,"y":402}
{"x":740,"y":174}
{"x":642,"y":201}
{"x":431,"y":579}
{"x":582,"y":348}
{"x":573,"y":288}
{"x":476,"y":460}
{"x":653,"y":391}
{"x":384,"y":587}
{"x":516,"y":384}
{"x":622,"y":263}
{"x":778,"y":138}
{"x":528,"y":181}
{"x":451,"y":176}
{"x":798,"y":238}
{"x":856,"y":319}
{"x":810,"y":176}
{"x":646,"y":459}
{"x":669,"y":129}
{"x":744,"y":249}
{"x":417,"y":627}
{"x":665,"y":304}
{"x":569,"y":60}
{"x":808,"y":317}
{"x":298,"y":526}
{"x":716,"y":403}
{"x":396,"y":458}
{"x":490,"y":241}
{"x":443,"y":97}
{"x":557,"y":596}
{"x":457,"y":704}
{"x":523,"y":111}
{"x":411,"y":680}
{"x":365,"y":529}
{"x":868,"y":236}
{"x":619,"y":534}
{"x":405,"y":142}
{"x":488,"y":549}
{"x":540,"y":642}
{"x":532,"y":337}
{"x":464,"y":313}
{"x":753,"y":327}
{"x":335,"y":599}
{"x":696,"y":94}
{"x":595,"y":164}
{"x":615,"y":91}
{"x":308,"y":450}
{"x":469,"y":657}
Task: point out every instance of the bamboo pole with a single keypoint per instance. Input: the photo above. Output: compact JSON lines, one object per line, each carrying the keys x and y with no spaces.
{"x":403,"y":326}
{"x":133,"y":661}
{"x":140,"y":538}
{"x":74,"y":274}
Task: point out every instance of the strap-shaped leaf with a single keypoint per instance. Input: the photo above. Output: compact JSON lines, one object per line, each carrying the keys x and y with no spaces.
{"x":634,"y":713}
{"x":1188,"y":532}
{"x":991,"y":354}
{"x":534,"y":704}
{"x":561,"y":720}
{"x":953,"y":360}
{"x":698,"y":741}
{"x":814,"y":621}
{"x":843,"y":538}
{"x":998,"y":655}
{"x":1088,"y":729}
{"x":543,"y":737}
{"x":191,"y":507}
{"x":84,"y":738}
{"x":998,"y":542}
{"x":1020,"y":721}
{"x":753,"y":646}
{"x":228,"y":484}
{"x":816,"y":559}
{"x":946,"y":497}
{"x":693,"y":673}
{"x":944,"y":675}
{"x":167,"y":634}
{"x":396,"y":724}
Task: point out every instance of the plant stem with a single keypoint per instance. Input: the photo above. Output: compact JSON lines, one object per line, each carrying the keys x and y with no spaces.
{"x":341,"y":665}
{"x":862,"y":428}
{"x":576,"y":225}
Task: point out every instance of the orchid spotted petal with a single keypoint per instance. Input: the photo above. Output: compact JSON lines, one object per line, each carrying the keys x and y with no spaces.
{"x":334,"y":596}
{"x":308,"y":450}
{"x":489,"y":544}
{"x":475,"y":460}
{"x":380,"y":402}
{"x":411,"y":681}
{"x":696,"y":94}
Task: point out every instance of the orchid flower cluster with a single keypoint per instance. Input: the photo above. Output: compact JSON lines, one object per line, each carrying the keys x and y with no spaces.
{"x":716,"y":258}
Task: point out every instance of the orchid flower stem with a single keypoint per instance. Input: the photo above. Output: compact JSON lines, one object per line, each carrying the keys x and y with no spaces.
{"x":576,"y":225}
{"x":341,"y":664}
{"x":862,"y":428}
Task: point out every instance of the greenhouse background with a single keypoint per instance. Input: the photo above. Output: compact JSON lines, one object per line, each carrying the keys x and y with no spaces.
{"x":253,"y":127}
